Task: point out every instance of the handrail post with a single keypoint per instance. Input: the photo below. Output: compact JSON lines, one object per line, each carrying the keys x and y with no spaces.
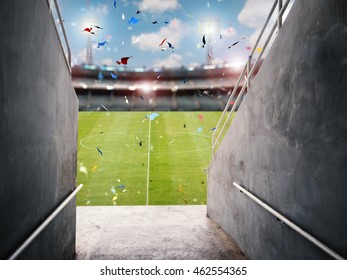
{"x":279,"y":18}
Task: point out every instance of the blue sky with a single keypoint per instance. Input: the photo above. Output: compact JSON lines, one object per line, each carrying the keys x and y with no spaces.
{"x":229,"y":20}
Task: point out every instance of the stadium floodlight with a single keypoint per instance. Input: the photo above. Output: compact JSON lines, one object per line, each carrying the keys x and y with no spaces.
{"x":210,"y":27}
{"x":145,"y":88}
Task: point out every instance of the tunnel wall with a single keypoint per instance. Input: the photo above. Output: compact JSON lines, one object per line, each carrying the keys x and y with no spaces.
{"x":38,"y":133}
{"x":288,"y":142}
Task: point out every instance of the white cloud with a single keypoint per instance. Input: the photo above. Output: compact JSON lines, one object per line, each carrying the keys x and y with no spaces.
{"x":173,"y":60}
{"x":174,"y":32}
{"x":158,"y":6}
{"x":254,"y":14}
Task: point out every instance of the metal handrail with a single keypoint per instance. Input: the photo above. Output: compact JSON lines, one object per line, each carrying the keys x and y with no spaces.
{"x":44,"y":224}
{"x":289,"y":223}
{"x":247,"y":69}
{"x":68,"y":58}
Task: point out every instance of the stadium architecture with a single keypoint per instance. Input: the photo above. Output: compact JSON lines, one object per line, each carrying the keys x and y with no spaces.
{"x":203,"y":88}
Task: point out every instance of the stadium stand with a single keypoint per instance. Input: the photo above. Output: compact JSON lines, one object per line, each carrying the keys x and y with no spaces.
{"x":203,"y":88}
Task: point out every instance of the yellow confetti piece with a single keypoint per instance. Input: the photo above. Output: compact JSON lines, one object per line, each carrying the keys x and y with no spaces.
{"x":259,"y":50}
{"x":114,"y":198}
{"x":180,"y":188}
{"x":94,"y":167}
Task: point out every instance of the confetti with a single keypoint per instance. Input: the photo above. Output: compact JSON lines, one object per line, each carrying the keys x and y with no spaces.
{"x":259,"y":50}
{"x":87,"y":29}
{"x":162,"y":42}
{"x":140,"y":144}
{"x":161,"y":137}
{"x":138,"y":12}
{"x":154,"y":22}
{"x":114,"y":76}
{"x":98,"y":27}
{"x":248,"y":48}
{"x":126,"y":100}
{"x":123,"y":16}
{"x":184,"y":126}
{"x":99,"y":151}
{"x":114,"y":198}
{"x":170,"y":45}
{"x":83,"y":169}
{"x":104,"y":107}
{"x":133,"y":20}
{"x":201,"y":117}
{"x":213,"y":128}
{"x":115,"y":3}
{"x":200,"y":129}
{"x":180,"y":188}
{"x":203,"y":41}
{"x":233,"y":44}
{"x":121,"y":186}
{"x":141,"y":97}
{"x":123,"y":60}
{"x":118,"y":180}
{"x":236,"y":43}
{"x":124,"y":190}
{"x":100,"y":76}
{"x":94,"y":167}
{"x":101,"y":44}
{"x":158,"y":77}
{"x":185,"y":80}
{"x":152,"y":116}
{"x":167,"y":22}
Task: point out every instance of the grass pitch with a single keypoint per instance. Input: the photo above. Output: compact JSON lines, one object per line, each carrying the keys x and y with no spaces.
{"x":144,"y":162}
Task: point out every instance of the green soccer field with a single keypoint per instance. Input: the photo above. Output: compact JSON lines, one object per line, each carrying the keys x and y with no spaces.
{"x":144,"y":162}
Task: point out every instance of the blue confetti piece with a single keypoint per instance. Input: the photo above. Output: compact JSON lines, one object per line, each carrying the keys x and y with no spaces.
{"x":101,"y":44}
{"x":114,"y":76}
{"x":133,"y":20}
{"x":115,"y":3}
{"x":199,"y":129}
{"x":213,"y":128}
{"x":152,"y":116}
{"x":121,"y":186}
{"x":100,"y":76}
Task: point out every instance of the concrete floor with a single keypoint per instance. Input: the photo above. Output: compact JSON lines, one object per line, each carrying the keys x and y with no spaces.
{"x":151,"y":232}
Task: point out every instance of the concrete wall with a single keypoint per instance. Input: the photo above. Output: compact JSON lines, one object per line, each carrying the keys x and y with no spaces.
{"x":38,"y":133}
{"x":288,"y":142}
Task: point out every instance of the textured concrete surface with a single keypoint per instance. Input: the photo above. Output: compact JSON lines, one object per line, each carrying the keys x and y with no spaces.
{"x":288,"y":142}
{"x":151,"y":232}
{"x":38,"y":133}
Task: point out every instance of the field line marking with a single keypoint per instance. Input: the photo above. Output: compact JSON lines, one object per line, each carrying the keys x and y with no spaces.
{"x":148,"y":158}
